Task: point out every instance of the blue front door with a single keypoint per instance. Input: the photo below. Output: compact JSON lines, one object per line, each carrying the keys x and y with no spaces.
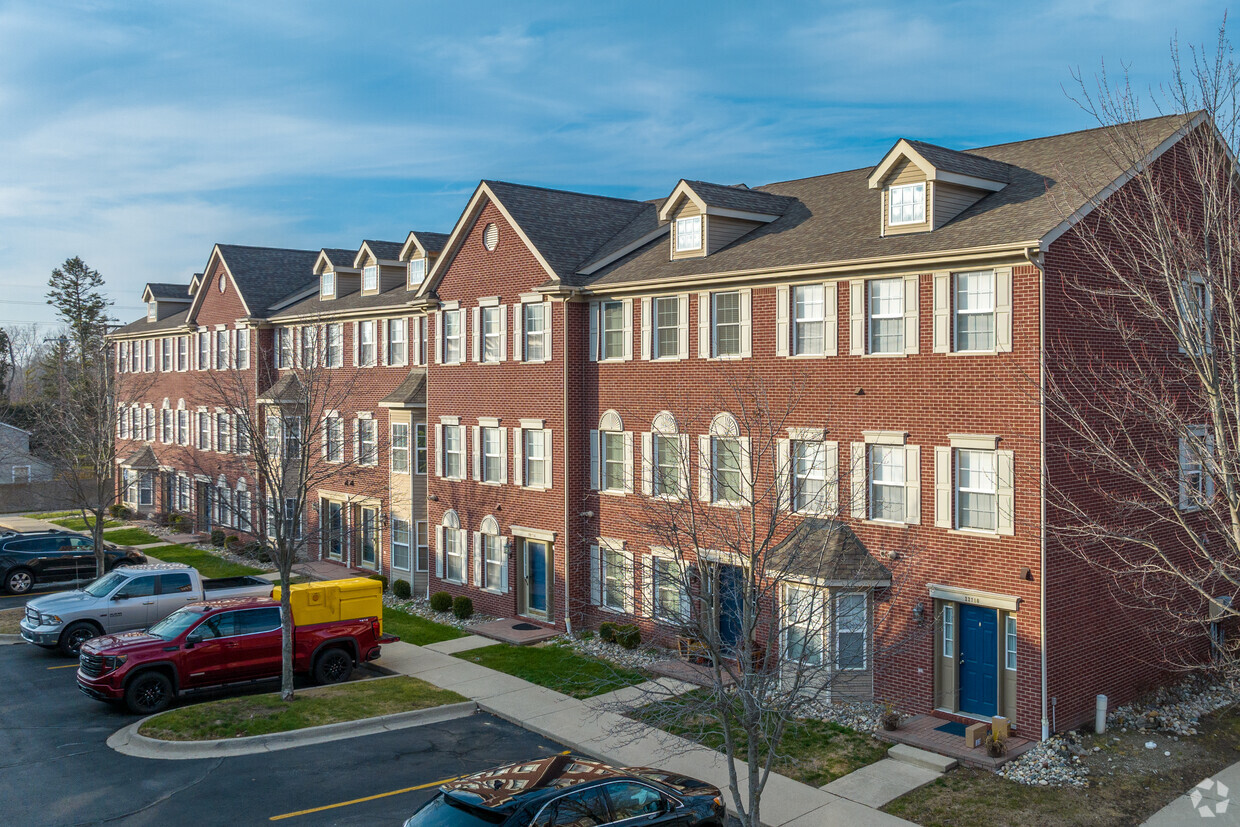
{"x":731,"y":605}
{"x":536,"y":581}
{"x":979,"y":660}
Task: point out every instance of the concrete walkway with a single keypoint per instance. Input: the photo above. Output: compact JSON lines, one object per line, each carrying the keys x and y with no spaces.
{"x":587,"y":727}
{"x":1221,"y":802}
{"x":903,"y":770}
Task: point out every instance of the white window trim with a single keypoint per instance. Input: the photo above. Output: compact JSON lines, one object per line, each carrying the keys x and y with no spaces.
{"x":837,"y":630}
{"x":914,"y":188}
{"x":688,"y":221}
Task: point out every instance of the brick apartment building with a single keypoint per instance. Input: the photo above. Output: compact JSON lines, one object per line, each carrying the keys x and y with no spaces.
{"x":519,"y":380}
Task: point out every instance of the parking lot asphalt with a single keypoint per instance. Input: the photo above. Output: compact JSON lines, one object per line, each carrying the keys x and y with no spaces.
{"x":57,"y":769}
{"x":16,"y":601}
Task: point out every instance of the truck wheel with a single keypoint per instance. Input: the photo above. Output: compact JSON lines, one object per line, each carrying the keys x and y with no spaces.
{"x":148,"y":693}
{"x":333,"y":666}
{"x":72,"y":638}
{"x":18,"y":581}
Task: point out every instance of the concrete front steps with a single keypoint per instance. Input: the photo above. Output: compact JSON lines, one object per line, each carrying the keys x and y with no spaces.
{"x":903,"y":770}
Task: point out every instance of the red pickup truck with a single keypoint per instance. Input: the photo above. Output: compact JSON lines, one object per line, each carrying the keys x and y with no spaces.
{"x":218,"y":643}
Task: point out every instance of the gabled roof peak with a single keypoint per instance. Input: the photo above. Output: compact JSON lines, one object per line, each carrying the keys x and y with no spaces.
{"x":735,"y":200}
{"x":942,"y":164}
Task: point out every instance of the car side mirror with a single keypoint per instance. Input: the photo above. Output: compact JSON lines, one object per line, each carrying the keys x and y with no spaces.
{"x":121,"y":596}
{"x":193,"y":638}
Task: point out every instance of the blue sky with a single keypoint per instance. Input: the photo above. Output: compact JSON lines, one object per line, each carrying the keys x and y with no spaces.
{"x":138,"y":134}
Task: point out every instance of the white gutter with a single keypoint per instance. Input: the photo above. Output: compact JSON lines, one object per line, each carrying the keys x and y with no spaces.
{"x":1035,"y":261}
{"x":568,"y":620}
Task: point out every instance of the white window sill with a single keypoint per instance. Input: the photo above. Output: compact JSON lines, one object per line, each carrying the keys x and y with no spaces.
{"x":666,"y":359}
{"x":610,"y":609}
{"x":535,"y":361}
{"x":976,"y":532}
{"x":726,"y":504}
{"x":611,"y":492}
{"x":453,"y":582}
{"x":888,"y":523}
{"x":492,"y":483}
{"x":490,"y":590}
{"x":535,"y":487}
{"x":884,"y":355}
{"x":808,"y":356}
{"x":725,"y":358}
{"x":613,"y":360}
{"x":667,"y":498}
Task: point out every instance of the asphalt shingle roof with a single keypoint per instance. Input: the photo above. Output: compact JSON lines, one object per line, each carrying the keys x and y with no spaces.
{"x":143,"y":326}
{"x":314,"y":306}
{"x":264,"y":275}
{"x":339,"y":257}
{"x":825,"y":550}
{"x":163,"y":290}
{"x":432,"y":242}
{"x":965,"y":163}
{"x":740,"y":198}
{"x":387,"y":250}
{"x":411,"y":391}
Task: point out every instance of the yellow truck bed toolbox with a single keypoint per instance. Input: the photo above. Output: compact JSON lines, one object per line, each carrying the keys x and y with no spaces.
{"x":328,"y":600}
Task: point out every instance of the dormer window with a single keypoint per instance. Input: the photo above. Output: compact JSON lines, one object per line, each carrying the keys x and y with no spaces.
{"x":417,"y":271}
{"x":370,"y":277}
{"x":906,"y":204}
{"x":152,"y":311}
{"x":329,"y":283}
{"x":688,"y":234}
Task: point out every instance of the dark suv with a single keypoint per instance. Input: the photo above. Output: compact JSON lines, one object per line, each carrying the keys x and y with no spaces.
{"x":569,"y":791}
{"x":54,"y":556}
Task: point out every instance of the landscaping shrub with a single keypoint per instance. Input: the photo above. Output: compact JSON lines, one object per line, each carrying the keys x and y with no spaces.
{"x":217,"y":537}
{"x":382,"y":579}
{"x":231,"y":541}
{"x":160,"y":518}
{"x":630,"y":637}
{"x":178,"y":522}
{"x":587,"y":635}
{"x":402,"y":589}
{"x":607,"y":631}
{"x":119,"y":511}
{"x":441,"y":601}
{"x":463,"y":607}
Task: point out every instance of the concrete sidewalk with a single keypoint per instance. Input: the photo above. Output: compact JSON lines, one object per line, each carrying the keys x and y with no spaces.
{"x":585,"y":727}
{"x":1214,"y":804}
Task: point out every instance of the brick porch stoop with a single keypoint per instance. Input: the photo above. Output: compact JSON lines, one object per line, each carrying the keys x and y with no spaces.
{"x":921,"y":732}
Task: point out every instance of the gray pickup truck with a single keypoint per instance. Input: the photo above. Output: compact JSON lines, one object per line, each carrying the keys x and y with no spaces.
{"x":131,"y":597}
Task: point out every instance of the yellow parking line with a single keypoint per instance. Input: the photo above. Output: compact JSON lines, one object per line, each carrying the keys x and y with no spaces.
{"x":66,"y":666}
{"x":361,"y":800}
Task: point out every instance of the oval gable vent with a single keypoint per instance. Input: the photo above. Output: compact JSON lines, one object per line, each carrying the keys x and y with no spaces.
{"x":490,"y":237}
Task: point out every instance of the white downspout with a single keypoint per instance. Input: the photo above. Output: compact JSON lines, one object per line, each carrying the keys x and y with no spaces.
{"x":1035,"y":260}
{"x":568,"y":620}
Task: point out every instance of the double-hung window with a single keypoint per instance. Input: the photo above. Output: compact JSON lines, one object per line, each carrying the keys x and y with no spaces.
{"x":367,"y":441}
{"x":667,"y":322}
{"x":492,"y":561}
{"x":400,"y":545}
{"x":887,"y":483}
{"x":292,"y":437}
{"x":492,"y":458}
{"x":334,"y":352}
{"x":370,"y":277}
{"x":454,"y":451}
{"x":328,"y":284}
{"x":976,"y":490}
{"x":166,"y":434}
{"x":397,"y":343}
{"x":366,"y":351}
{"x":809,"y":475}
{"x":726,"y":324}
{"x":671,"y":599}
{"x":166,"y":356}
{"x":271,"y":431}
{"x":400,"y":448}
{"x":613,"y":564}
{"x":808,"y":319}
{"x":537,"y":326}
{"x":1195,"y":307}
{"x":241,"y":434}
{"x":422,"y":558}
{"x":204,"y":431}
{"x":611,"y":453}
{"x":612,"y":330}
{"x":667,"y":465}
{"x":906,"y":204}
{"x":492,"y":333}
{"x":309,"y":347}
{"x":284,"y":348}
{"x":804,"y":625}
{"x":243,"y":348}
{"x":851,"y":626}
{"x":204,"y":350}
{"x":419,"y":447}
{"x":182,"y":427}
{"x":149,"y":353}
{"x":453,"y":336}
{"x":221,"y":350}
{"x":454,"y":554}
{"x":182,"y":353}
{"x":688,"y":234}
{"x":725,"y":463}
{"x":423,"y":324}
{"x":221,"y":432}
{"x":535,"y":454}
{"x":333,"y":433}
{"x":416,"y":271}
{"x":886,"y":305}
{"x":975,"y":311}
{"x":1196,"y":484}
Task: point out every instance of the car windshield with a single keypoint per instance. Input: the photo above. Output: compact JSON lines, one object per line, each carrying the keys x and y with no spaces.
{"x":174,"y":624}
{"x":105,"y":584}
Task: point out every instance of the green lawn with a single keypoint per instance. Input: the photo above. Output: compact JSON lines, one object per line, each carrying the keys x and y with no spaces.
{"x":130,"y":537}
{"x":51,"y":515}
{"x":78,"y":524}
{"x":555,"y":667}
{"x":811,"y":751}
{"x":264,"y":714}
{"x":207,"y":563}
{"x":416,"y":630}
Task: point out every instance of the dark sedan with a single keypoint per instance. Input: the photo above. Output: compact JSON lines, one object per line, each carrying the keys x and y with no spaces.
{"x":568,"y":791}
{"x":30,"y":559}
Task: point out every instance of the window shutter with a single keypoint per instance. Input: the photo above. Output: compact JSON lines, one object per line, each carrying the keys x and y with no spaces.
{"x":746,"y":323}
{"x":594,"y":309}
{"x":783,"y":474}
{"x":704,"y":468}
{"x":356,"y":349}
{"x":647,"y":463}
{"x":830,"y":320}
{"x":439,"y":550}
{"x":682,"y":321}
{"x":1006,"y":468}
{"x":357,"y":440}
{"x":1003,"y":309}
{"x":630,"y":582}
{"x":912,"y":312}
{"x":326,"y":426}
{"x":912,"y":484}
{"x":942,"y":312}
{"x":832,"y":502}
{"x":781,"y":320}
{"x":518,"y":330}
{"x":547,"y":455}
{"x":704,"y":326}
{"x":503,"y":333}
{"x":856,"y":317}
{"x":503,"y":455}
{"x":628,"y":329}
{"x":1206,"y":463}
{"x":381,"y":341}
{"x":594,"y":461}
{"x":857,"y":479}
{"x":439,"y":450}
{"x":477,"y":552}
{"x":475,"y":340}
{"x":438,"y":344}
{"x":683,"y":481}
{"x":518,"y":458}
{"x":647,"y":567}
{"x":646,"y":327}
{"x":476,"y":453}
{"x":596,"y":577}
{"x":1185,"y":458}
{"x":943,"y":487}
{"x":414,"y":339}
{"x":506,"y":550}
{"x":547,"y":315}
{"x":628,"y":462}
